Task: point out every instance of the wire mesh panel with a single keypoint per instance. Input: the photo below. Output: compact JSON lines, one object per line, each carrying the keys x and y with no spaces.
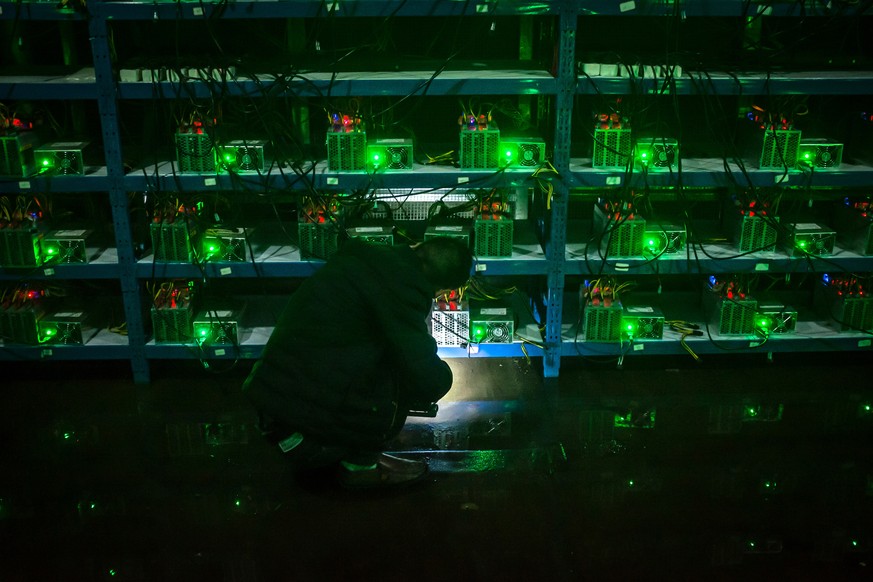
{"x":603,"y":324}
{"x":780,"y":148}
{"x":195,"y":152}
{"x":347,"y":151}
{"x":612,"y":148}
{"x":480,"y":149}
{"x":493,"y":238}
{"x":450,"y":328}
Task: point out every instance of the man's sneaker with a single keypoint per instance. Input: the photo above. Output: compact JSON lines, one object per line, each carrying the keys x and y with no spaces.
{"x":389,"y":471}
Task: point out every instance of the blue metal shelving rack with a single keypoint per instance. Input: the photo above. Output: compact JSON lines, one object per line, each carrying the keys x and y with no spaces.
{"x":555,"y":261}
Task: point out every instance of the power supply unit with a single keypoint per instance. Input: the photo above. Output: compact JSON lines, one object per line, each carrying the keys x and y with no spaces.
{"x":376,"y":234}
{"x":603,"y":323}
{"x":846,"y":302}
{"x":195,"y":152}
{"x":450,"y":327}
{"x":820,"y":154}
{"x":613,"y":148}
{"x":219,"y":326}
{"x":390,"y":155}
{"x":854,"y":222}
{"x":317,"y":240}
{"x":623,"y":237}
{"x":228,"y":245}
{"x":493,"y":238}
{"x":20,"y":246}
{"x":173,"y":242}
{"x":242,"y":155}
{"x":20,"y":324}
{"x":754,"y":233}
{"x":730,"y":315}
{"x":664,"y":238}
{"x":346,"y":150}
{"x":16,"y":154}
{"x":491,"y":325}
{"x":479,"y":148}
{"x":775,"y":317}
{"x":522,"y":152}
{"x":66,"y":246}
{"x":809,"y":239}
{"x":61,"y":158}
{"x":780,"y":148}
{"x":640,"y":322}
{"x":657,"y":153}
{"x":462,"y":231}
{"x":64,"y":328}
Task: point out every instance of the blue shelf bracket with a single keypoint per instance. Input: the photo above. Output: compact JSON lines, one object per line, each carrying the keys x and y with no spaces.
{"x":108,"y":109}
{"x":557,"y":232}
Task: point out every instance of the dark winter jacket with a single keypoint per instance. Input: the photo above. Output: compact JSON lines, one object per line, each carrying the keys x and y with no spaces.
{"x":352,"y":348}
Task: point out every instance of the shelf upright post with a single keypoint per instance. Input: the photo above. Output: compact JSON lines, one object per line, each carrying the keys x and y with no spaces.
{"x":107,"y":104}
{"x":556,"y":240}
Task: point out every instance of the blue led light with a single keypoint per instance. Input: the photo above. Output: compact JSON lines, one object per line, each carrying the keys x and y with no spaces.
{"x":712,"y":280}
{"x":826,"y":278}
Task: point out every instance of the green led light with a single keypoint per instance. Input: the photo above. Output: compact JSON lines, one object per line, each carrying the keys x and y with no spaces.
{"x":237,"y":502}
{"x":630,"y":483}
{"x":751,"y":411}
{"x":46,"y":162}
{"x":112,"y":572}
{"x":68,"y":436}
{"x":854,"y":543}
{"x":51,"y":250}
{"x":478,"y":332}
{"x":48,"y":331}
{"x":644,"y":155}
{"x":202,"y":332}
{"x":508,"y":153}
{"x":806,"y":155}
{"x":375,"y":157}
{"x":866,"y":408}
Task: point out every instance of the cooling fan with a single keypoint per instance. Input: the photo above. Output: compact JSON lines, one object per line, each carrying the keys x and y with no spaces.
{"x":820,"y":154}
{"x":658,"y":153}
{"x":61,"y":159}
{"x":528,"y":153}
{"x":492,"y":325}
{"x":243,"y":155}
{"x":390,"y":155}
{"x":398,"y":158}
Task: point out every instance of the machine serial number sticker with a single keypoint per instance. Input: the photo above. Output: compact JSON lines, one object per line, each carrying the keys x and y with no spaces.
{"x":49,"y":272}
{"x":613,"y":181}
{"x":864,"y":343}
{"x":463,"y":180}
{"x":762,"y":267}
{"x":225,"y":271}
{"x":198,"y":11}
{"x":333,"y":181}
{"x":25,"y":185}
{"x":627,"y":6}
{"x":481,"y":267}
{"x":639,"y":347}
{"x":219,"y":352}
{"x":493,"y":311}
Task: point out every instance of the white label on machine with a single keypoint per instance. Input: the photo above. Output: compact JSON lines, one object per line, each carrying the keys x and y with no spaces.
{"x":864,"y":343}
{"x":368,"y":229}
{"x":463,"y":180}
{"x":807,"y":226}
{"x":493,"y":311}
{"x":481,"y":267}
{"x":627,"y":6}
{"x":223,"y":314}
{"x":225,"y":271}
{"x":209,"y":182}
{"x":762,"y":267}
{"x":333,"y":181}
{"x":69,"y":314}
{"x":49,"y":272}
{"x":197,"y":11}
{"x":70,"y":233}
{"x":449,"y":228}
{"x":641,"y":309}
{"x":25,"y":185}
{"x":219,"y":352}
{"x":639,"y":347}
{"x":613,"y":180}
